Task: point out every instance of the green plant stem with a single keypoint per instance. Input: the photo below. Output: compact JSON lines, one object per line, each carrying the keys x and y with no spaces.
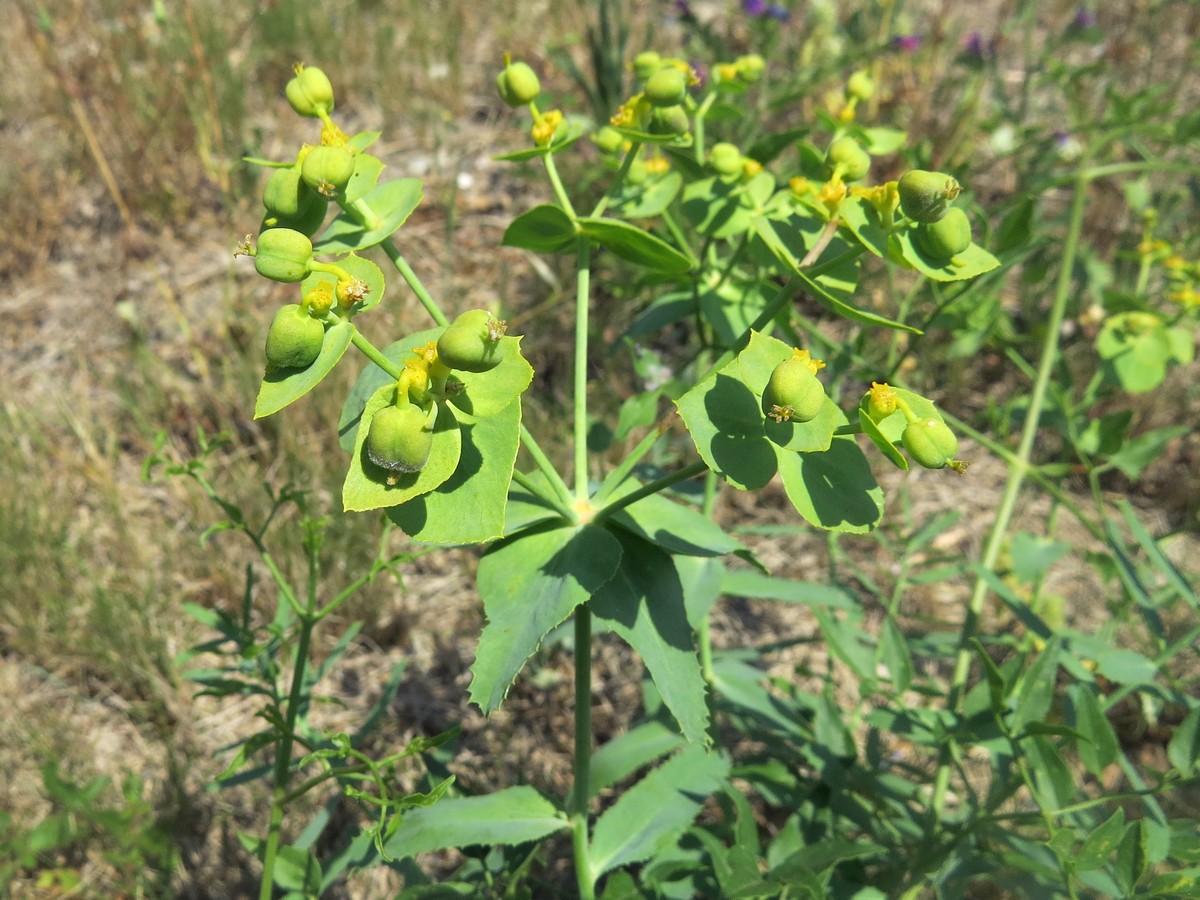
{"x":583,"y":752}
{"x":373,"y":353}
{"x":407,"y":273}
{"x":649,"y":489}
{"x":583,"y":272}
{"x":559,"y":191}
{"x":283,"y":752}
{"x":1019,"y":468}
{"x":680,"y":239}
{"x":618,"y":180}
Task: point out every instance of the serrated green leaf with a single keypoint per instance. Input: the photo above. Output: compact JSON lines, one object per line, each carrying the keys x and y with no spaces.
{"x":284,"y":386}
{"x":543,"y":229}
{"x":643,"y":603}
{"x":366,"y":486}
{"x":635,"y":245}
{"x":468,"y":507}
{"x":391,"y":203}
{"x":510,"y":816}
{"x":531,"y":583}
{"x":652,"y":814}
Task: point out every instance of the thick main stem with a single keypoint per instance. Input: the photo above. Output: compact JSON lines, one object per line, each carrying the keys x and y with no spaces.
{"x":583,"y":752}
{"x":283,"y":755}
{"x":1019,"y":468}
{"x":582,"y":287}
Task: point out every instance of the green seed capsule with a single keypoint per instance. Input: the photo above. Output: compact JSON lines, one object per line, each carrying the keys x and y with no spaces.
{"x":472,"y":342}
{"x":930,"y":443}
{"x":286,"y":194}
{"x":666,"y":87}
{"x":327,"y":169}
{"x":726,"y":159}
{"x":294,"y":339}
{"x":310,"y":92}
{"x":666,"y":120}
{"x":850,"y":155}
{"x":793,"y":392}
{"x":307,"y":223}
{"x":750,"y":68}
{"x":608,"y":139}
{"x":947,"y":237}
{"x":283,"y":255}
{"x":518,"y":84}
{"x":646,"y":64}
{"x":861,"y":85}
{"x":398,"y":439}
{"x":925,"y":196}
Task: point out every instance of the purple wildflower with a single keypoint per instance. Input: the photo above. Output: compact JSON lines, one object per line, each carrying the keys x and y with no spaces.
{"x":778,"y":13}
{"x":754,"y":7}
{"x":907,"y":42}
{"x":1084,"y":19}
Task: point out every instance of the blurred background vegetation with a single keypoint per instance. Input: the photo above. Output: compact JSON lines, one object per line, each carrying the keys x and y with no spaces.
{"x":123,"y":314}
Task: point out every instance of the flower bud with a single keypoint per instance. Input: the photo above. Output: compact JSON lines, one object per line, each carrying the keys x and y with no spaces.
{"x":646,"y":64}
{"x":472,"y":342}
{"x":726,"y":159}
{"x":849,"y":154}
{"x":310,"y":92}
{"x":947,"y":237}
{"x":925,"y":196}
{"x":930,"y":443}
{"x":793,"y":392}
{"x":861,"y":85}
{"x":666,"y":87}
{"x":881,"y":401}
{"x":666,"y":120}
{"x":399,"y":439}
{"x":294,"y":339}
{"x":518,"y":84}
{"x":283,"y":255}
{"x":327,"y":169}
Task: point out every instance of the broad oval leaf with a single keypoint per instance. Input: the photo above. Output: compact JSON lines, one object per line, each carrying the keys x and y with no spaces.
{"x":390,"y":204}
{"x":835,"y":489}
{"x":284,"y":386}
{"x":635,"y":245}
{"x":543,"y":229}
{"x":971,"y":262}
{"x":366,"y":486}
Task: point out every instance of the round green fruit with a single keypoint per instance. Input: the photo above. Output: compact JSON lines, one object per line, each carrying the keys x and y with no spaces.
{"x":925,"y":196}
{"x":793,"y":392}
{"x":646,"y":64}
{"x":750,"y":68}
{"x":285,"y":194}
{"x":666,"y":87}
{"x":472,"y":342}
{"x":930,"y":443}
{"x":608,"y":139}
{"x":310,"y":92}
{"x":398,"y":440}
{"x":327,"y":169}
{"x":666,"y":120}
{"x":518,"y":84}
{"x":948,"y":236}
{"x":294,"y":339}
{"x":850,"y":155}
{"x":726,"y":159}
{"x":283,"y":255}
{"x":861,"y":85}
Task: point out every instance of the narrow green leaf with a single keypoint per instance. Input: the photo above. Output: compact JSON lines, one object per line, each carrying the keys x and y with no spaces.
{"x":758,"y":586}
{"x":1100,"y":748}
{"x":894,"y":653}
{"x":635,"y":245}
{"x":1101,"y":843}
{"x":1035,"y":693}
{"x":543,"y":229}
{"x":297,"y":869}
{"x":624,"y":755}
{"x":1053,"y":783}
{"x":652,"y":814}
{"x":1184,"y":748}
{"x":284,"y":386}
{"x":511,"y":816}
{"x":844,"y":639}
{"x":643,"y":603}
{"x":529,"y":584}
